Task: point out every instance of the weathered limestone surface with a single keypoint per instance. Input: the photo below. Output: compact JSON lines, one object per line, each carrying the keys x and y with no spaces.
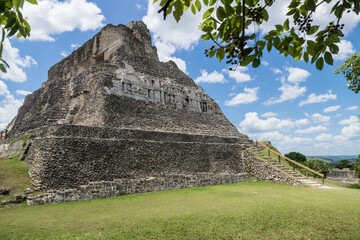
{"x":113,"y":120}
{"x":258,"y":168}
{"x":118,"y":187}
{"x":344,"y":175}
{"x":116,"y":80}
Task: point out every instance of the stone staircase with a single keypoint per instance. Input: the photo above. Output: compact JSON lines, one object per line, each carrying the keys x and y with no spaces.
{"x":59,"y":112}
{"x":299,"y":177}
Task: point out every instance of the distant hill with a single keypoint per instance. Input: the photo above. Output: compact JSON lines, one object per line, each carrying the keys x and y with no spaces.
{"x":333,"y":160}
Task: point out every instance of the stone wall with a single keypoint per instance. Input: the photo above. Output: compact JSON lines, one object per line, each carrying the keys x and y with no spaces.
{"x":261,"y":169}
{"x":58,"y":162}
{"x":344,"y":175}
{"x":118,"y":187}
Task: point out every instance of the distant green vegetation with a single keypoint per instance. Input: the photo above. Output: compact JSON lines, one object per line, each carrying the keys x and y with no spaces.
{"x":249,"y":210}
{"x":332,"y":160}
{"x":344,"y":164}
{"x":354,"y":185}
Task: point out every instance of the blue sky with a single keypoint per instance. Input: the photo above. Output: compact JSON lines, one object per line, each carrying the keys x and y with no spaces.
{"x":289,"y":103}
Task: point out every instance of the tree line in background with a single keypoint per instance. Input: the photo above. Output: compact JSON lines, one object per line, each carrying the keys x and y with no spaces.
{"x":323,"y":167}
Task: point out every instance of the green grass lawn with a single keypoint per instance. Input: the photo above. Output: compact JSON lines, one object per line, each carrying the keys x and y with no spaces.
{"x":248,"y":210}
{"x":14,"y":175}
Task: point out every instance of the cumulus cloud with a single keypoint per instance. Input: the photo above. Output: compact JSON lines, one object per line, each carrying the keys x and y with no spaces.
{"x":290,"y":88}
{"x":64,"y":53}
{"x":288,"y":92}
{"x":324,"y":137}
{"x":22,"y":92}
{"x":297,"y":75}
{"x":214,"y":77}
{"x":349,"y":121}
{"x":16,"y":72}
{"x":8,"y":105}
{"x":346,"y":49}
{"x":52,"y":17}
{"x":332,"y":108}
{"x":352,"y":108}
{"x":279,"y":132}
{"x":239,"y":74}
{"x":312,"y":129}
{"x":265,"y":63}
{"x":170,"y":36}
{"x":74,"y":45}
{"x":269,"y":114}
{"x":313,"y":98}
{"x":276,"y":70}
{"x":318,"y":118}
{"x":248,"y":96}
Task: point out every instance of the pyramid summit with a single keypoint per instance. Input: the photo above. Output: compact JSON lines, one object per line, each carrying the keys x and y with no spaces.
{"x":112,"y":119}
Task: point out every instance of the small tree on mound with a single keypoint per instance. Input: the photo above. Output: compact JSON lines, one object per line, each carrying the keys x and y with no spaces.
{"x":357,"y":166}
{"x":296,"y":156}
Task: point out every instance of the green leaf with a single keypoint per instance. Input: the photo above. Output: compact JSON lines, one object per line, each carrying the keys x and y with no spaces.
{"x":269,"y":46}
{"x":286,"y":25}
{"x":312,"y":30}
{"x":265,"y":15}
{"x":2,"y":68}
{"x":220,"y":13}
{"x":310,"y":4}
{"x":220,"y":54}
{"x":320,"y":63}
{"x":193,"y":9}
{"x":35,"y":2}
{"x":13,"y":31}
{"x":206,"y":2}
{"x":10,"y":22}
{"x":328,"y":58}
{"x":212,"y":2}
{"x":306,"y":57}
{"x":208,"y":13}
{"x":198,"y":5}
{"x":334,"y":49}
{"x":279,"y":27}
{"x":256,"y":63}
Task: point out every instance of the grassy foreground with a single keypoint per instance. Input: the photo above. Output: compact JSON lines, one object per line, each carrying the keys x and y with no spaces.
{"x":249,"y":210}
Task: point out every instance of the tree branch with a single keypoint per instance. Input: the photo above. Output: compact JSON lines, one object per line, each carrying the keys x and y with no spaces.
{"x":165,"y":7}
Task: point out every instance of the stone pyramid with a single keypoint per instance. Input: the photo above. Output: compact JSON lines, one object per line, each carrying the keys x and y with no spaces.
{"x":111,"y":110}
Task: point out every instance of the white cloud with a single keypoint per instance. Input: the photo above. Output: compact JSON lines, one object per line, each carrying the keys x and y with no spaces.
{"x":265,"y":63}
{"x":248,"y":96}
{"x":276,"y":70}
{"x":302,"y":122}
{"x":297,"y":75}
{"x":324,"y":137}
{"x":289,"y":92}
{"x":332,"y":108}
{"x":312,"y":129}
{"x":170,"y":36}
{"x":74,"y":45}
{"x":352,"y":131}
{"x":313,"y":98}
{"x":349,"y":121}
{"x":317,"y":117}
{"x":51,"y":17}
{"x":352,"y":108}
{"x":278,"y":131}
{"x":63,"y":53}
{"x":269,"y":114}
{"x":239,"y":74}
{"x":22,"y":92}
{"x":214,"y":77}
{"x":138,"y":6}
{"x":8,"y":105}
{"x":253,"y":124}
{"x":346,"y":49}
{"x":290,"y":88}
{"x":12,"y":55}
